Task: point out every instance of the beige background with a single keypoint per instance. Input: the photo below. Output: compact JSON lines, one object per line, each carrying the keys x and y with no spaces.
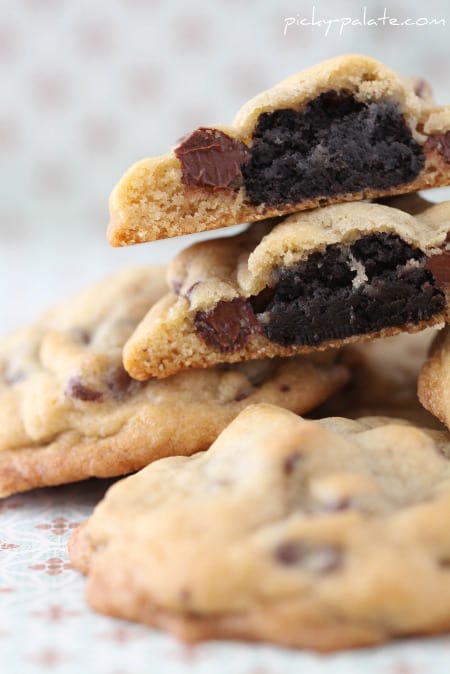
{"x":90,"y":86}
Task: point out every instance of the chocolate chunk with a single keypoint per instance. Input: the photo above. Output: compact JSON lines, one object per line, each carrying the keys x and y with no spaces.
{"x":290,"y":462}
{"x":320,"y":559}
{"x":439,"y":266}
{"x":228,"y":325}
{"x":210,"y":158}
{"x":441,"y":143}
{"x":334,"y":145}
{"x":76,"y":389}
{"x":288,"y":553}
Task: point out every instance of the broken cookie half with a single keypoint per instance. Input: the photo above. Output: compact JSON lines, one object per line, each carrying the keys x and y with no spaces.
{"x":318,"y":279}
{"x":344,"y":130}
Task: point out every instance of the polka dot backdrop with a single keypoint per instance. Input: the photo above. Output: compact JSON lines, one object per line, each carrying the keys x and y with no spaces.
{"x":90,"y":87}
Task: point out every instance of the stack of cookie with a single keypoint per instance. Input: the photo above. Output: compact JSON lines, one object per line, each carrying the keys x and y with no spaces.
{"x":269,"y":534}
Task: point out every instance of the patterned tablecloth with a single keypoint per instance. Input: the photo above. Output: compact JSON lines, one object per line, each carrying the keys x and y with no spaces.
{"x":45,"y":624}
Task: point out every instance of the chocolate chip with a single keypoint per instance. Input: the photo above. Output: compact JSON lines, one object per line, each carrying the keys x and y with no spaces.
{"x":284,"y":388}
{"x":441,"y":143}
{"x":75,"y":389}
{"x":119,"y":381}
{"x":288,"y":553}
{"x":420,"y":87}
{"x":14,"y":376}
{"x":228,"y":325}
{"x":317,"y":559}
{"x":210,"y":158}
{"x":334,"y":506}
{"x":240,"y":396}
{"x":81,"y":335}
{"x":176,"y":286}
{"x":224,"y":482}
{"x":290,"y":462}
{"x":439,"y":266}
{"x":185,"y":595}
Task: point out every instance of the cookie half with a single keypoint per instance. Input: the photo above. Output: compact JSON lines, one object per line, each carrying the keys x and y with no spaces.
{"x":316,"y":534}
{"x":70,"y":411}
{"x":344,"y":130}
{"x":434,"y":380}
{"x":321,"y":278}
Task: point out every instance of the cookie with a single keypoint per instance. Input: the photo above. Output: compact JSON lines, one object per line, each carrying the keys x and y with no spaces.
{"x":70,"y":411}
{"x":321,"y":278}
{"x":384,"y":380}
{"x":434,"y":380}
{"x":316,"y":534}
{"x":344,"y":130}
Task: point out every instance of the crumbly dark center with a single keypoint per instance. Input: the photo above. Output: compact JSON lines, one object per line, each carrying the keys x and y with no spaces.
{"x":335,"y":145}
{"x":377,"y":282}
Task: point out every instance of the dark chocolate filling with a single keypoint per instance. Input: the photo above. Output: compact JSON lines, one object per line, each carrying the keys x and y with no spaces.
{"x":317,"y":300}
{"x":379,"y":281}
{"x":333,"y":146}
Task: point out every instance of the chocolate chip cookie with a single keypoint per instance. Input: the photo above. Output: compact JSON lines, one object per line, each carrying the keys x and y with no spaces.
{"x":316,"y":534}
{"x":70,"y":411}
{"x":344,"y":130}
{"x":434,"y":380}
{"x":321,"y":278}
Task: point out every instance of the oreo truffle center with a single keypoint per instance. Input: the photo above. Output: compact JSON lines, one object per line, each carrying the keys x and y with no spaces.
{"x":335,"y":145}
{"x":377,"y":282}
